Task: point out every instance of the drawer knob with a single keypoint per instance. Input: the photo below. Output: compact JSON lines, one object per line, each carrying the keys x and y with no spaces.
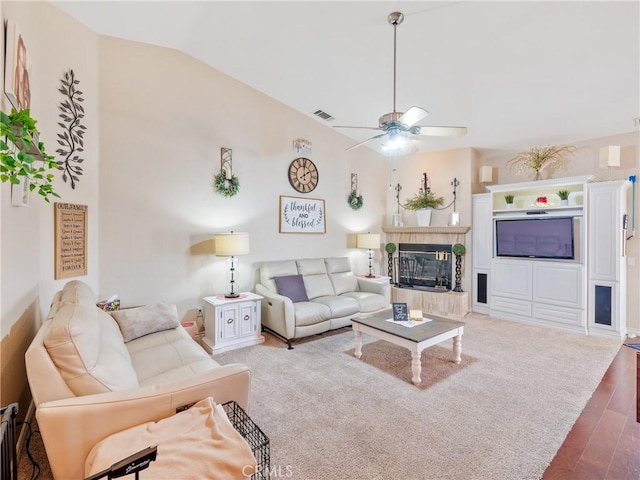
{"x":229,"y":320}
{"x":246,"y":317}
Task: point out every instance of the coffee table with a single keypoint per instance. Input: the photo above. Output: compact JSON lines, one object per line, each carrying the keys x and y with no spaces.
{"x":415,"y":338}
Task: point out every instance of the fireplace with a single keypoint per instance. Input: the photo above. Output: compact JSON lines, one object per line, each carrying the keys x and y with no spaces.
{"x":424,"y":266}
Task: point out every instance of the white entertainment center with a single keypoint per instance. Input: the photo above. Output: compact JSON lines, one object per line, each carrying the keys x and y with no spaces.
{"x":567,"y":271}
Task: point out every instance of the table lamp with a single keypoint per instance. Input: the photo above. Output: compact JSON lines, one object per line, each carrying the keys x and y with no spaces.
{"x":370,"y":241}
{"x":230,"y":245}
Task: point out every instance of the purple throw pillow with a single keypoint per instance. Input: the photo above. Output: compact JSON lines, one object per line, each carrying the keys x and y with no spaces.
{"x":292,"y":286}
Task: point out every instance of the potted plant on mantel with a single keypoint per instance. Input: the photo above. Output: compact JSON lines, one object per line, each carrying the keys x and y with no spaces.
{"x":423,"y":202}
{"x":22,"y":156}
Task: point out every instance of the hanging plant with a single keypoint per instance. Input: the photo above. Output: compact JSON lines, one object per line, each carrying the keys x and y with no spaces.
{"x":22,"y":156}
{"x":355,"y":201}
{"x":226,"y":187}
{"x":71,"y":139}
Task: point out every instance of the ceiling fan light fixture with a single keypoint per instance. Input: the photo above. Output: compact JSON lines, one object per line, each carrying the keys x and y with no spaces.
{"x":397,"y":143}
{"x":400,"y":128}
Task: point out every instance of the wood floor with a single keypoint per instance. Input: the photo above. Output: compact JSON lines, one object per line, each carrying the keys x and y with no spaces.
{"x":604,"y":443}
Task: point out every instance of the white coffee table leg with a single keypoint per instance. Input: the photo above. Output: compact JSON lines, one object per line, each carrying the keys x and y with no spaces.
{"x":457,"y":348}
{"x":358,"y":345}
{"x":416,"y":367}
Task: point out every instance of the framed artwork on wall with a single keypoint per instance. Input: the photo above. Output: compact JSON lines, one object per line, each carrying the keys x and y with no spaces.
{"x":302,"y":215}
{"x":17,"y":68}
{"x":70,"y":249}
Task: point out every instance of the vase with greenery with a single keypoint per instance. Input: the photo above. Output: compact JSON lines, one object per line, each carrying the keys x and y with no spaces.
{"x":539,"y":159}
{"x":564,"y":197}
{"x":458,"y":250}
{"x":23,"y":157}
{"x":508,"y":198}
{"x":424,"y":201}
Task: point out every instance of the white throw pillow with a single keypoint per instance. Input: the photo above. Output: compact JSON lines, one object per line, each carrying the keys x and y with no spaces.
{"x":140,"y":321}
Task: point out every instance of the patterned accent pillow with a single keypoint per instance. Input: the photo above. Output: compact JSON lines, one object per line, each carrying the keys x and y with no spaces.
{"x":292,"y":286}
{"x":138,"y":322}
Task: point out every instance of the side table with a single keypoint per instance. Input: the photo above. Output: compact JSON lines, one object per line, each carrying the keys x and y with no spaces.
{"x":231,"y":323}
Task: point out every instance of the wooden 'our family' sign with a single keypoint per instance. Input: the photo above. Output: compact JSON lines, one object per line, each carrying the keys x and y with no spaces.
{"x":302,"y":215}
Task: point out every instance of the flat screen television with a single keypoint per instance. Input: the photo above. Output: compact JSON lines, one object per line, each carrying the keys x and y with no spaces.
{"x":551,"y":237}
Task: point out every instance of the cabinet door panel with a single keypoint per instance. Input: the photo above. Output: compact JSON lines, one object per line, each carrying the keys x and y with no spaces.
{"x":511,"y":278}
{"x":560,"y":315}
{"x":482,"y":231}
{"x":558,"y":284}
{"x":228,"y":322}
{"x":247,"y":319}
{"x":510,"y":306}
{"x":603,"y":234}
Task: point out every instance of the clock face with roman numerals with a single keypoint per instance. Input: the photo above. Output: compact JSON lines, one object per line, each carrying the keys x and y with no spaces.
{"x":303,"y":175}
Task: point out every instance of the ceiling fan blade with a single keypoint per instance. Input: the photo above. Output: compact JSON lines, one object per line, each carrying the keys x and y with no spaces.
{"x":442,"y":131}
{"x":413,"y":116}
{"x":351,"y":126}
{"x":365,"y":141}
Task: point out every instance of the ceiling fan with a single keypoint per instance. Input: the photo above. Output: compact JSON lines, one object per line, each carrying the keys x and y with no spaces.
{"x":399,"y":128}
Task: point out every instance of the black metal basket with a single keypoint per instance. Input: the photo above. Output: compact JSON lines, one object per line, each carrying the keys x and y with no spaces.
{"x":255,"y":437}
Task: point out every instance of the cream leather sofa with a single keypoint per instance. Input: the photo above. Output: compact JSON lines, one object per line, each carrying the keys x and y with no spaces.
{"x":87,"y":383}
{"x":334,"y":294}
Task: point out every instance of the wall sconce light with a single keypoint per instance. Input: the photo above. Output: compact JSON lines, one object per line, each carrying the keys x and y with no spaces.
{"x":230,"y":245}
{"x":486,"y":174}
{"x":610,"y":157}
{"x":370,"y":241}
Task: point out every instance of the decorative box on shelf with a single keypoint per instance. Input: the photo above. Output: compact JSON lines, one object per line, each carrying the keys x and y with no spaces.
{"x":231,"y":323}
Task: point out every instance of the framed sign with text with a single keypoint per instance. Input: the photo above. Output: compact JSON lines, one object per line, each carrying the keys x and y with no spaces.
{"x":70,"y":224}
{"x":302,"y":215}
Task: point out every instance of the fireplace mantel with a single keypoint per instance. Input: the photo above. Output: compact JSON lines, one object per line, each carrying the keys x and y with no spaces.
{"x":427,"y":230}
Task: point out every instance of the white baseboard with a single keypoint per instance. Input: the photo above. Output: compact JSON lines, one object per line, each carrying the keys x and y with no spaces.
{"x":633,"y":332}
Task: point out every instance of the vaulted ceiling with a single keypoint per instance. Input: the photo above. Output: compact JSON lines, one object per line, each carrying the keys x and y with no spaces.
{"x":517,"y":74}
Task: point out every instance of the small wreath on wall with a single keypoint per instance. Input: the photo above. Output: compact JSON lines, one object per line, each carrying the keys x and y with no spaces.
{"x":227,"y":187}
{"x":355,"y":200}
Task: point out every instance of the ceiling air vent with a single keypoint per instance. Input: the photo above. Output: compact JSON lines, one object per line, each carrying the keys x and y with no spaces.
{"x":323,"y":115}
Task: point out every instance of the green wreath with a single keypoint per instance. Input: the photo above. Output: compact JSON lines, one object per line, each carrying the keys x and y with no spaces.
{"x":355,"y":200}
{"x":226,"y":186}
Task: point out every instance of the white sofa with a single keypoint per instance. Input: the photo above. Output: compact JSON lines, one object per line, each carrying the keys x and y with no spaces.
{"x":87,"y":383}
{"x":334,"y":294}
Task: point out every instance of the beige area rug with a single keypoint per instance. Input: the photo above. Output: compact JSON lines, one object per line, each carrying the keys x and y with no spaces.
{"x":501,"y":414}
{"x":437,"y":363}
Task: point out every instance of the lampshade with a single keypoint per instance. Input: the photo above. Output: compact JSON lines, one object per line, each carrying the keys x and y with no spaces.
{"x":486,"y":174}
{"x":610,"y":156}
{"x":368,"y":241}
{"x":230,"y":244}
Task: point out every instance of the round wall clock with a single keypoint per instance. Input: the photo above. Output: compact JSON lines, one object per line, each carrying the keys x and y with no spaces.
{"x":303,"y":175}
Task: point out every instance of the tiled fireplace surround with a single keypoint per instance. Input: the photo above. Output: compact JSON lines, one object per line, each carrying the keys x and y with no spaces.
{"x":451,"y":304}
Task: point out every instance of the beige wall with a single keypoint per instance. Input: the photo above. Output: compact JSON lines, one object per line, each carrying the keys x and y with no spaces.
{"x":55,"y":44}
{"x":165,"y":117}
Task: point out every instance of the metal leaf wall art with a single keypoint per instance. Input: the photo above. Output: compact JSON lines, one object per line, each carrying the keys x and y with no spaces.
{"x":71,"y":139}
